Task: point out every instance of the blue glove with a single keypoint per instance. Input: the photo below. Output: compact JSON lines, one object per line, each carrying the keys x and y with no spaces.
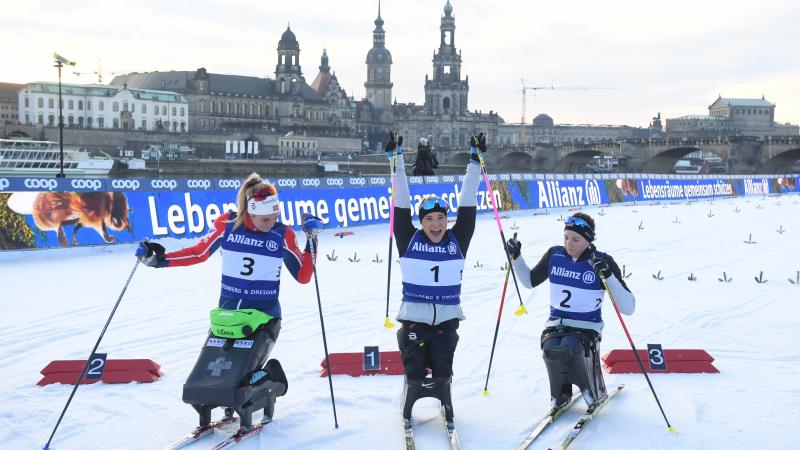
{"x":151,"y":254}
{"x":395,"y":144}
{"x":311,"y":225}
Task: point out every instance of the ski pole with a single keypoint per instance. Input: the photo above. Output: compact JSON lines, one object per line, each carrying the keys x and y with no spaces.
{"x":521,"y":310}
{"x":496,"y":329}
{"x":635,"y":353}
{"x":88,"y":360}
{"x":322,"y":322}
{"x":387,"y":322}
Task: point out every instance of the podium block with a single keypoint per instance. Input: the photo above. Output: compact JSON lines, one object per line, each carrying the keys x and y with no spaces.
{"x":353,"y":364}
{"x":677,"y":361}
{"x":115,"y":371}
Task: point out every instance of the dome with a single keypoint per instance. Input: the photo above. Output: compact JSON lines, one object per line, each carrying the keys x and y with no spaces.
{"x":543,"y":120}
{"x":288,"y":41}
{"x":379,"y":55}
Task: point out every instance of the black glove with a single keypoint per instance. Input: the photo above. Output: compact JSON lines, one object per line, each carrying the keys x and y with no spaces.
{"x":600,"y":266}
{"x":476,"y":144}
{"x":150,"y":253}
{"x":513,"y":248}
{"x":395,"y":143}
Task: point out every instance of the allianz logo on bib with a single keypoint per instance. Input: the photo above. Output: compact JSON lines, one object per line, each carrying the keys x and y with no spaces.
{"x":587,"y":277}
{"x":272,"y":246}
{"x":86,"y":184}
{"x":40,"y":183}
{"x":421,"y":247}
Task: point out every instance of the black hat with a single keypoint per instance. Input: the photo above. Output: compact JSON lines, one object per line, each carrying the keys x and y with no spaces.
{"x":581,"y":226}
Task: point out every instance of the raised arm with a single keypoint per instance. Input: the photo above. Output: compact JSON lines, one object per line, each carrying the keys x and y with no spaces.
{"x":403,"y":227}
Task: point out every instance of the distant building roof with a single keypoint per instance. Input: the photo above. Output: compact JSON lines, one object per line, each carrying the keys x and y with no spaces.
{"x":183,"y":81}
{"x":103,"y":90}
{"x":9,"y":92}
{"x":700,"y":117}
{"x":745,"y":102}
{"x":288,"y":40}
{"x":543,"y":120}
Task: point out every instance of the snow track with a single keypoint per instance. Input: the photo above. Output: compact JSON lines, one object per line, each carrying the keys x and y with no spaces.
{"x":56,"y":301}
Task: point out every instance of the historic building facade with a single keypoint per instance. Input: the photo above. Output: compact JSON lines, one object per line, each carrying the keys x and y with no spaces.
{"x":9,"y":102}
{"x":226,"y":103}
{"x":445,"y":116}
{"x":732,"y":117}
{"x":103,"y":107}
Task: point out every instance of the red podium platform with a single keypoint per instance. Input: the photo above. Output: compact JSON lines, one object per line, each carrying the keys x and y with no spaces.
{"x":115,"y":371}
{"x":353,"y":364}
{"x":677,"y":361}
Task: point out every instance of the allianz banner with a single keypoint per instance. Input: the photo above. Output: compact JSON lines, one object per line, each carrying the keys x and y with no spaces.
{"x":46,"y":212}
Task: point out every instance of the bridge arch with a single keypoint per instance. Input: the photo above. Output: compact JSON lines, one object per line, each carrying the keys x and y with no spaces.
{"x":780,"y":163}
{"x":664,"y":162}
{"x":576,"y":162}
{"x":517,"y":161}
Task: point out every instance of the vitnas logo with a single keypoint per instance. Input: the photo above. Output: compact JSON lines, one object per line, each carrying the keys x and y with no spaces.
{"x":40,"y":183}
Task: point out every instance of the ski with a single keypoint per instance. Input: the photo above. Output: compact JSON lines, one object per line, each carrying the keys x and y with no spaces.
{"x":239,"y":436}
{"x":452,"y":434}
{"x":408,"y":432}
{"x":581,"y":423}
{"x":201,"y":432}
{"x":544,"y":423}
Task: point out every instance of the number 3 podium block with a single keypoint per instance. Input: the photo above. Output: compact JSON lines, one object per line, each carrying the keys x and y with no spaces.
{"x":354,"y":364}
{"x":675,"y":361}
{"x":115,"y":371}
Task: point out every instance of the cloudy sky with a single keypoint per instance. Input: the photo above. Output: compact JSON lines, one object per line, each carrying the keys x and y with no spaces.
{"x":671,"y":57}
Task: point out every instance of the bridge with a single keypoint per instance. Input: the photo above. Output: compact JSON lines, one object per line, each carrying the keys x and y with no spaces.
{"x":741,"y":154}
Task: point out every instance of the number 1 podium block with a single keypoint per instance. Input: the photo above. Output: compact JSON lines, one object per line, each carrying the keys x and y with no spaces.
{"x":676,"y":361}
{"x":353,"y":364}
{"x":115,"y":371}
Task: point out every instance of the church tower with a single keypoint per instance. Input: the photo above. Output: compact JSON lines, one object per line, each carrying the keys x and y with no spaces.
{"x":446,"y":93}
{"x":379,"y":65}
{"x":288,"y":76}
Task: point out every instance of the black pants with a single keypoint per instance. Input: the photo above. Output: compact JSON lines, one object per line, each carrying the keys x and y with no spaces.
{"x":424,"y":346}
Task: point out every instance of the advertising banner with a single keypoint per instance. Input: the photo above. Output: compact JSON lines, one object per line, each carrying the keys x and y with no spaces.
{"x":54,"y":212}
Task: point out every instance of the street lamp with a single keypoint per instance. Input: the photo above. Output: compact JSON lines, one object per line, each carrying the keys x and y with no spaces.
{"x":60,"y":61}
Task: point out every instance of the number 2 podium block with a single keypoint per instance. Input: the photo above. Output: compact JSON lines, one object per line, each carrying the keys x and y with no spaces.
{"x":353,"y":364}
{"x":677,"y":361}
{"x":115,"y":371}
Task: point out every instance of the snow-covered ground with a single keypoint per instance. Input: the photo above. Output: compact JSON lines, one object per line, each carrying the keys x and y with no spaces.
{"x":55,"y":303}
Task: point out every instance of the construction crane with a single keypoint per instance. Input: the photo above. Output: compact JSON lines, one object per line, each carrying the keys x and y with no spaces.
{"x":98,"y":72}
{"x":525,"y":90}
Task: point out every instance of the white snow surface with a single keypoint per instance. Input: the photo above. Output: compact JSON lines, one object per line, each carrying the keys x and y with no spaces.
{"x":55,"y":303}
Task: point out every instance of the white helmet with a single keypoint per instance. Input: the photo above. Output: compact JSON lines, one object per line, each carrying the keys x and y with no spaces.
{"x":423,"y":142}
